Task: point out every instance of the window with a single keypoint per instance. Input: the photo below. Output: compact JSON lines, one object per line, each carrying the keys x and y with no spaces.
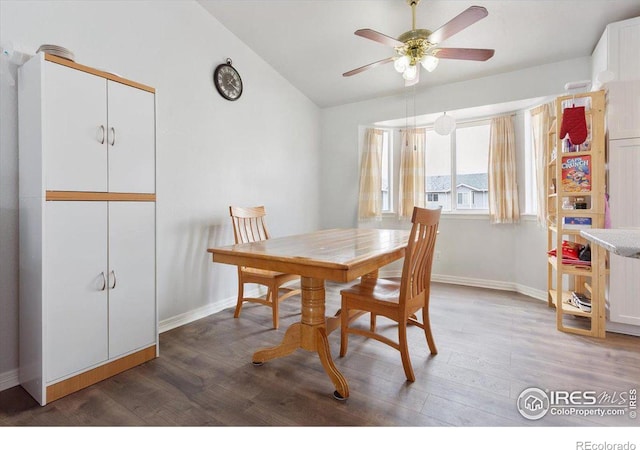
{"x":459,"y":162}
{"x":466,"y":150}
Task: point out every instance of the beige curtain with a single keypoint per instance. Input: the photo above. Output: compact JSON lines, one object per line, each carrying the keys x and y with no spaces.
{"x":412,"y":181}
{"x":370,"y":197}
{"x":541,"y":119}
{"x":503,"y":186}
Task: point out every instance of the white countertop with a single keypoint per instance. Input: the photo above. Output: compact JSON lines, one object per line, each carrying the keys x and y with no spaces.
{"x":621,"y":241}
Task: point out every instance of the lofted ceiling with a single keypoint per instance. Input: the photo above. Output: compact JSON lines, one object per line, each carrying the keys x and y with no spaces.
{"x":312,"y":43}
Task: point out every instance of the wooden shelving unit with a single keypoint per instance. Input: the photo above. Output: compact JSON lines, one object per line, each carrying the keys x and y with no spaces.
{"x":563,"y":278}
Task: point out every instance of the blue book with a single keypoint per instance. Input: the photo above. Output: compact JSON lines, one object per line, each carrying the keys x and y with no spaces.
{"x":576,"y":222}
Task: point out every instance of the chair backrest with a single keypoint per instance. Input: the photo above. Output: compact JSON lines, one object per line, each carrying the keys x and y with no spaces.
{"x":416,"y":271}
{"x":249,"y":224}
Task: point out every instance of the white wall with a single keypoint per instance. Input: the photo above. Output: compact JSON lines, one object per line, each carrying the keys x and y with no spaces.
{"x":471,"y":250}
{"x":210,"y":152}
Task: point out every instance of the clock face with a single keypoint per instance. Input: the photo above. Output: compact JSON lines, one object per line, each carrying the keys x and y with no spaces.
{"x":228,"y":82}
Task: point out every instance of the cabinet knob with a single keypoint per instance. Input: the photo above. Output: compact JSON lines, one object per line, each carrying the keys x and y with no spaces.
{"x":100,"y":134}
{"x":113,"y":136}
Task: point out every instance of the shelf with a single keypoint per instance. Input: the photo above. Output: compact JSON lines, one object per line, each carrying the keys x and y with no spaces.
{"x":587,"y":279}
{"x":567,"y":307}
{"x":569,"y":269}
{"x":566,"y":231}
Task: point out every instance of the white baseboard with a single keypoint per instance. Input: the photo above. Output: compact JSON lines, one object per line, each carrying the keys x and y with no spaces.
{"x":204,"y":311}
{"x":478,"y":282}
{"x":194,"y":314}
{"x":623,"y":328}
{"x":9,"y":379}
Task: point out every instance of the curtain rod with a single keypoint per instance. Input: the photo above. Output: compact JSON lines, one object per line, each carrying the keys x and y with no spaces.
{"x":475,"y":119}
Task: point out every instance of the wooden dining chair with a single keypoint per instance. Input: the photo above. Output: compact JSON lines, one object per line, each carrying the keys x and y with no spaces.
{"x":397,"y":300}
{"x":249,"y":225}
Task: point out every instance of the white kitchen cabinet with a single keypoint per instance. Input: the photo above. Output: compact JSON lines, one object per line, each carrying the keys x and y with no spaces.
{"x":99,"y":133}
{"x":617,"y":51}
{"x":624,"y":278}
{"x":87,"y":226}
{"x":623,"y":109}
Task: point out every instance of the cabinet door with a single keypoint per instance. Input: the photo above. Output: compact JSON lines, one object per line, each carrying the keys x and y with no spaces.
{"x":132,"y":292}
{"x":74,"y":130}
{"x":624,"y":185}
{"x":623,"y":109}
{"x":131,"y":139}
{"x":75,"y":294}
{"x":624,"y":45}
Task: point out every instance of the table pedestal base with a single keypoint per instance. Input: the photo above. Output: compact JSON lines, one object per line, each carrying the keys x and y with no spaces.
{"x":310,"y":334}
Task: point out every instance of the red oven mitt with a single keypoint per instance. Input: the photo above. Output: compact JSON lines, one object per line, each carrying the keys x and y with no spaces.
{"x":574,"y":123}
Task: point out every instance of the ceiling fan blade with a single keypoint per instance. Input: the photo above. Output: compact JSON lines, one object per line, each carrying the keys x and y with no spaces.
{"x":460,"y":22}
{"x":416,"y":80}
{"x":368,"y":66}
{"x":378,"y":37}
{"x":471,"y":54}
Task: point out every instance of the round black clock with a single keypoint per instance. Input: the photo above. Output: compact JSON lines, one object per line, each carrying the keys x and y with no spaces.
{"x":227,"y":81}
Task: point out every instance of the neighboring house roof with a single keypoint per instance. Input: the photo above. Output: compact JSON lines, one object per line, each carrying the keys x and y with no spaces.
{"x":442,"y":183}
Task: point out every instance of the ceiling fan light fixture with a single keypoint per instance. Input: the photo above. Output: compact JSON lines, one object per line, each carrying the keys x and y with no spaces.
{"x":410,"y":73}
{"x":430,"y":63}
{"x":401,"y":64}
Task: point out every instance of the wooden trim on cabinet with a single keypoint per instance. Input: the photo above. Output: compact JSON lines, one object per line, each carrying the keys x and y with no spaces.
{"x":93,"y":376}
{"x":99,"y":196}
{"x":100,"y":73}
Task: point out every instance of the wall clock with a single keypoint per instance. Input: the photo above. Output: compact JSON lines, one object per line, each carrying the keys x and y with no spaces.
{"x":227,"y":81}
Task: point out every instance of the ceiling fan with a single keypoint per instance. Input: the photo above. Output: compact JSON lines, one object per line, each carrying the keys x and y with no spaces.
{"x":421,"y":47}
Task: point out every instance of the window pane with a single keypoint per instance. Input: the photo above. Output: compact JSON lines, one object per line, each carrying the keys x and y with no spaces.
{"x":472,"y":156}
{"x":438,"y":170}
{"x":386,"y":193}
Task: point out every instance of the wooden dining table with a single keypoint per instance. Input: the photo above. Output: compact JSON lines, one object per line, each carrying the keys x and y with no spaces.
{"x":339,"y":255}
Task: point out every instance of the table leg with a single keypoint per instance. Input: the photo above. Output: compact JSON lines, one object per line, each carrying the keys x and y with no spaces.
{"x":310,"y":334}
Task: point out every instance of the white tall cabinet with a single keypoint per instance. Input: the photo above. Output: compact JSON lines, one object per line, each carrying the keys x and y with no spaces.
{"x":87,"y":226}
{"x":617,"y":52}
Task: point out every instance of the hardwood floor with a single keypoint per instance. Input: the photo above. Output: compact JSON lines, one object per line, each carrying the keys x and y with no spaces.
{"x":492,"y":345}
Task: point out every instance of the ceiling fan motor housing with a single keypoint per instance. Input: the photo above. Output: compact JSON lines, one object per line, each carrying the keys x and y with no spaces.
{"x":416,"y":44}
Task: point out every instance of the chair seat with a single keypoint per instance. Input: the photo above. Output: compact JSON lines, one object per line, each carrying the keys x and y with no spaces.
{"x":377,"y":290}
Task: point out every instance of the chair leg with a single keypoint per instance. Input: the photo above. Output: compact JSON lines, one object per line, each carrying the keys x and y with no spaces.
{"x":344,"y":323}
{"x":236,"y":314}
{"x":426,"y":324}
{"x":372,"y":323}
{"x":404,"y":351}
{"x":272,"y":293}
